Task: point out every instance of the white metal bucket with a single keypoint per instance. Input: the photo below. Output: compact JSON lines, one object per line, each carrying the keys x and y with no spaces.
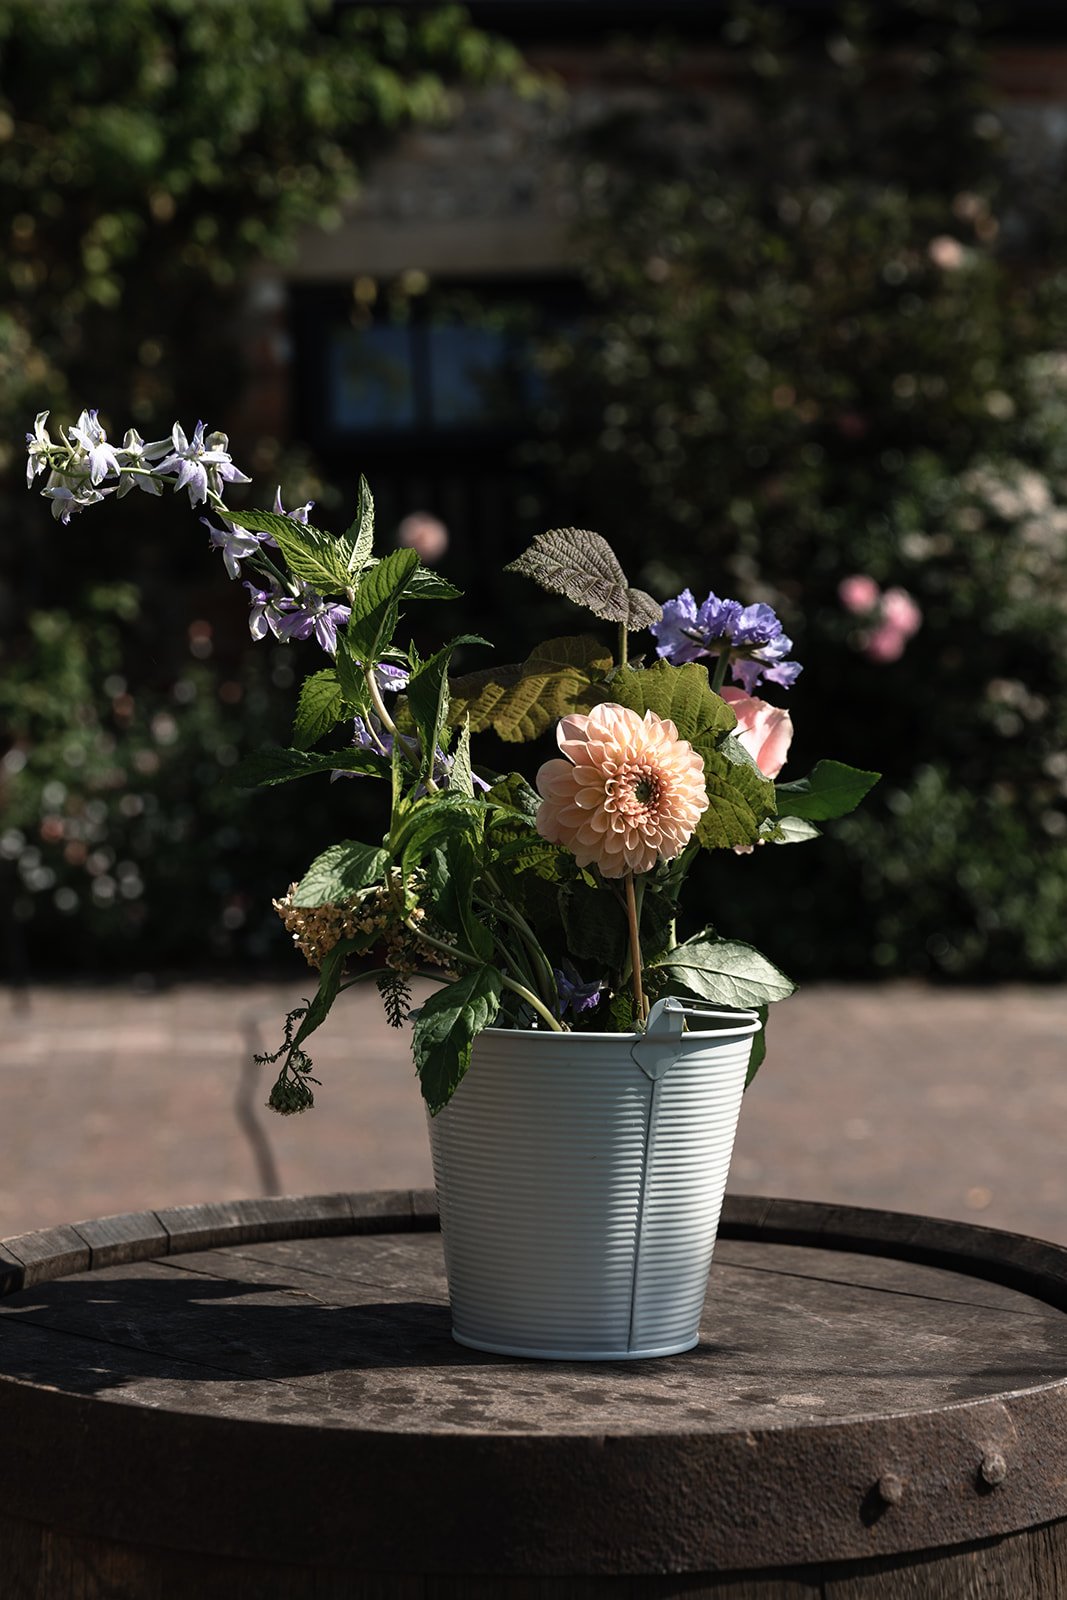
{"x":580,"y":1178}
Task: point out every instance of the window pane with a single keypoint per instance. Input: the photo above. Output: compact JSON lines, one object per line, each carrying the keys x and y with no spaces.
{"x":370,"y":378}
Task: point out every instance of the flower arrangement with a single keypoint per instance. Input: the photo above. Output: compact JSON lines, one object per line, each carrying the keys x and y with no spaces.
{"x":552,"y":906}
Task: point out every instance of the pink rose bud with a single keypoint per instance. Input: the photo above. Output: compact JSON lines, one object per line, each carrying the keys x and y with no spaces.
{"x":885,"y":643}
{"x":858,"y":594}
{"x":900,"y":611}
{"x":765,"y":731}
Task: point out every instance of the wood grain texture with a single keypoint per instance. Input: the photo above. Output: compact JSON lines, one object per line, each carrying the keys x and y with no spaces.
{"x":240,"y":1411}
{"x":130,"y":1236}
{"x":52,"y":1253}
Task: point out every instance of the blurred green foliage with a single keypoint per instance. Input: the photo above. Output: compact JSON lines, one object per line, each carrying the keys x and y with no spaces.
{"x":823,"y":304}
{"x":153,"y":153}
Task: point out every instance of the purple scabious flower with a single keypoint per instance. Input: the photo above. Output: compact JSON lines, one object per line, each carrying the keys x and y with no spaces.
{"x":574,"y":995}
{"x":300,"y":616}
{"x":753,"y":636}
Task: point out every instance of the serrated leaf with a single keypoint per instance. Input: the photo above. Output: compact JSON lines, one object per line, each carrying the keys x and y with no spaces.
{"x":320,"y":708}
{"x":736,"y":804}
{"x":759,"y":1047}
{"x":427,"y":585}
{"x":461,"y":778}
{"x":452,"y":871}
{"x":788,"y":830}
{"x":682,"y":695}
{"x":595,"y":925}
{"x":357,"y":542}
{"x":428,"y":821}
{"x":265,"y":767}
{"x":831,"y":790}
{"x":724,"y":971}
{"x":428,"y":696}
{"x":445,"y":1029}
{"x":339,"y":873}
{"x":376,"y":604}
{"x":311,"y":553}
{"x":520,"y":702}
{"x":513,"y":793}
{"x":582,"y":566}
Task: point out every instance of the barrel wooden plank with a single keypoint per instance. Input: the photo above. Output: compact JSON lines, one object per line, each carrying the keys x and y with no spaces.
{"x":52,"y":1253}
{"x":130,"y":1236}
{"x":844,"y":1402}
{"x":12,"y":1272}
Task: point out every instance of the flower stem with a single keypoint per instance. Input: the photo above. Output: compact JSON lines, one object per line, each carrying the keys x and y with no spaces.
{"x":632,"y":916}
{"x":624,"y":645}
{"x":472,"y":961}
{"x":722,"y":666}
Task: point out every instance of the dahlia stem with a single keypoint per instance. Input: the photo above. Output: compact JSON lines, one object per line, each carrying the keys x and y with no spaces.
{"x":640,"y":1002}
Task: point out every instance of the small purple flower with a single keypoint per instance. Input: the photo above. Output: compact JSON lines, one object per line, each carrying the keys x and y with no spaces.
{"x":236,"y":545}
{"x":574,"y":995}
{"x":391,"y":679}
{"x":99,"y":456}
{"x":135,"y":459}
{"x":201,"y":464}
{"x":263,"y":616}
{"x":38,"y":449}
{"x":299,"y":515}
{"x":753,"y":636}
{"x":70,"y":495}
{"x":300,"y":617}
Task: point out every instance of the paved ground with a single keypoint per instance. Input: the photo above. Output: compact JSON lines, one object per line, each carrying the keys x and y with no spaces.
{"x":952,"y":1103}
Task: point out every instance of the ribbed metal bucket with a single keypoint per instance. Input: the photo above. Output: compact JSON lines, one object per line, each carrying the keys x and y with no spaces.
{"x":580,"y":1178}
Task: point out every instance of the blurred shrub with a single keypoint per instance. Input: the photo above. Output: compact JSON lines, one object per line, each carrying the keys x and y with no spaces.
{"x":123,"y":840}
{"x":815,"y":353}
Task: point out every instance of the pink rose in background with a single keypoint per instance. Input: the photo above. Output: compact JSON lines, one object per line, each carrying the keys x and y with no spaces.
{"x":900,"y":611}
{"x":424,"y":533}
{"x":764,"y":730}
{"x":858,"y":594}
{"x":895,"y":614}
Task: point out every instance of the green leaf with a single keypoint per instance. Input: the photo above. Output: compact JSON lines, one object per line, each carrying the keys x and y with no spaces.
{"x":330,"y":976}
{"x":582,"y":566}
{"x":428,"y":697}
{"x":595,"y":925}
{"x":445,"y":1029}
{"x":759,"y":1047}
{"x":520,"y":702}
{"x":739,"y":799}
{"x":355,"y":546}
{"x":723,"y":971}
{"x":513,"y":793}
{"x":452,"y":871}
{"x":427,"y":585}
{"x":831,"y":790}
{"x":311,"y":553}
{"x":339,"y":873}
{"x":428,"y":821}
{"x":376,"y":605}
{"x":461,"y":779}
{"x":321,"y":707}
{"x":788,"y":830}
{"x":265,"y":767}
{"x":682,"y":695}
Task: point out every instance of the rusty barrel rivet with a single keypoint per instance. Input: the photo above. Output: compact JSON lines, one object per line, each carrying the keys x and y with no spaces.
{"x":994,"y":1468}
{"x":891,"y":1488}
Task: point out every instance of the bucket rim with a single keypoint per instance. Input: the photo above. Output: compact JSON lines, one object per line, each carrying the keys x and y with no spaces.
{"x":747,"y":1025}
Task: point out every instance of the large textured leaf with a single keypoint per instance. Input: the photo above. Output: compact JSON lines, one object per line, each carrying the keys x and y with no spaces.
{"x":311,"y":553}
{"x":445,"y":1029}
{"x":376,"y":605}
{"x":339,"y":873}
{"x":682,"y":695}
{"x":831,"y":790}
{"x":595,"y":925}
{"x":582,"y":566}
{"x":724,"y":971}
{"x":265,"y":767}
{"x":759,"y":1047}
{"x":321,"y":707}
{"x":520,"y":702}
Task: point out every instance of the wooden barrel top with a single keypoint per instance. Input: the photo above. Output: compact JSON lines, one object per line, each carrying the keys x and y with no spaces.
{"x":276,"y":1378}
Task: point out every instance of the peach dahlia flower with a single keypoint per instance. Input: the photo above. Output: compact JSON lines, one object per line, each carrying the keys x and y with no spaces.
{"x":629,"y":794}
